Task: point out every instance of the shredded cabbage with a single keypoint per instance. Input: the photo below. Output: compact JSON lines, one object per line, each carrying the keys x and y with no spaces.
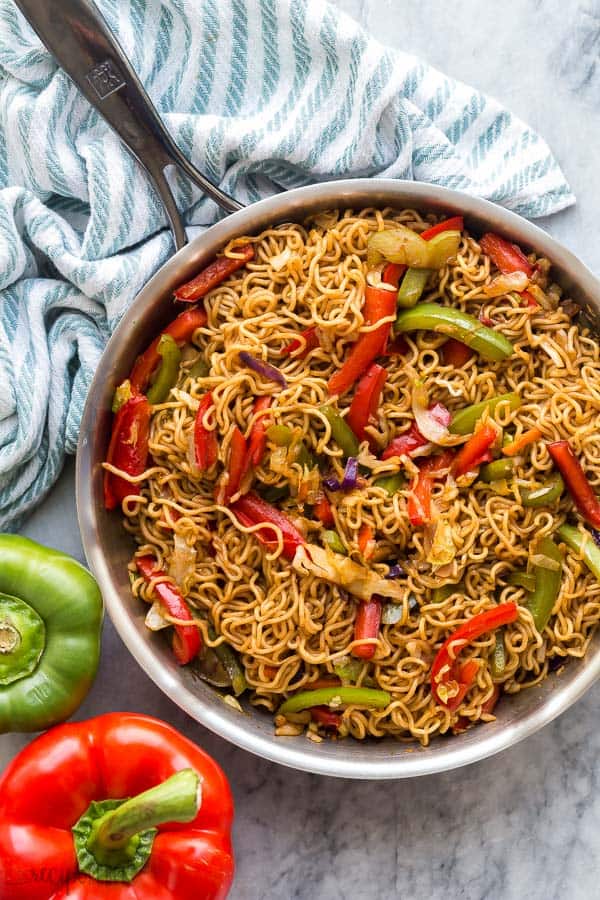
{"x":358,"y":580}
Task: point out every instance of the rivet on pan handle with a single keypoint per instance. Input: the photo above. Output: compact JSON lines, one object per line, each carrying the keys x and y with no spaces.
{"x":78,"y":37}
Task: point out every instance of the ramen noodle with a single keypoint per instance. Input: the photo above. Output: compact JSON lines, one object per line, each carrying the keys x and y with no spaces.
{"x":409,"y":569}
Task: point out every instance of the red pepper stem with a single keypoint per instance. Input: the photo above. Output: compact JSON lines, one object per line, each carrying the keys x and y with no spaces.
{"x":175,"y":800}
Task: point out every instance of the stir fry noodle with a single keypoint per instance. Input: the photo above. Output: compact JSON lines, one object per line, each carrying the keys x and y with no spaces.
{"x":360,"y":474}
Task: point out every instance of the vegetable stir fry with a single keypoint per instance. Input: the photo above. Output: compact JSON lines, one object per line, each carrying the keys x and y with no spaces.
{"x":361,"y":474}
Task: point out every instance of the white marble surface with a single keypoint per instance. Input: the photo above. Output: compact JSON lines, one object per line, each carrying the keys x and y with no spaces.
{"x":525,"y":824}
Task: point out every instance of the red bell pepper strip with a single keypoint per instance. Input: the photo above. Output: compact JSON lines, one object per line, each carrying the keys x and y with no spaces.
{"x":366,"y":400}
{"x":455,"y":353}
{"x":455,"y":223}
{"x":257,"y":441}
{"x":366,"y":541}
{"x":236,"y":467}
{"x":505,"y":256}
{"x":253,"y":510}
{"x":206,"y":447}
{"x":449,"y":680}
{"x":476,"y":451}
{"x":397,"y":347}
{"x":311,"y":342}
{"x":412,"y":440}
{"x":181,"y":330}
{"x":325,"y":717}
{"x":214,"y":274}
{"x":53,"y":781}
{"x":324,"y":512}
{"x":379,"y":304}
{"x":393,"y":272}
{"x":419,"y":498}
{"x":128,"y":448}
{"x":366,"y":625}
{"x":530,"y":300}
{"x":186,"y":638}
{"x":576,"y":480}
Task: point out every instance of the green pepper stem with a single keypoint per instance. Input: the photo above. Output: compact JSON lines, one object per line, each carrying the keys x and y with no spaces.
{"x":175,"y":800}
{"x":9,"y":638}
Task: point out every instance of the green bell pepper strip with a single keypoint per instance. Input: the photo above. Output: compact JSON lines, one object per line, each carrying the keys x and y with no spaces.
{"x":341,"y":431}
{"x":582,"y":543}
{"x":166,"y":376}
{"x":547,"y":584}
{"x":412,"y":287}
{"x":519,"y":578}
{"x":282,"y":436}
{"x":347,"y":696}
{"x":465,"y":420}
{"x":391,"y":483}
{"x":122,"y":394}
{"x":334,"y":542}
{"x":496,"y":470}
{"x":50,"y":623}
{"x":200,"y":369}
{"x":444,"y":591}
{"x":273,"y":493}
{"x":498,"y":660}
{"x":455,"y":324}
{"x":228,"y":659}
{"x":543,"y":494}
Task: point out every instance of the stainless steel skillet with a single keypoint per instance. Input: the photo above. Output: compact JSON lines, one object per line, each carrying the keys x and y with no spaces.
{"x":86,"y":49}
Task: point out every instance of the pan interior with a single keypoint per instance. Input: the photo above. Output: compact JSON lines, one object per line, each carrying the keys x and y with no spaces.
{"x":108,"y":550}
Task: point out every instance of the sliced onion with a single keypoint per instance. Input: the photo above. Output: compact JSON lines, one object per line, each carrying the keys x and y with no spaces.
{"x":349,"y":481}
{"x":432,"y":423}
{"x":505,"y":284}
{"x":281,"y":260}
{"x":183,"y":560}
{"x":544,"y":562}
{"x":348,"y":669}
{"x":442,"y":549}
{"x":553,"y":353}
{"x":154,"y":617}
{"x":262,"y":368}
{"x":402,"y":245}
{"x":358,"y":580}
{"x":392,"y":613}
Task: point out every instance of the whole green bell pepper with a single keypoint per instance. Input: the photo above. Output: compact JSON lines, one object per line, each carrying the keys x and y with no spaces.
{"x":50,"y":621}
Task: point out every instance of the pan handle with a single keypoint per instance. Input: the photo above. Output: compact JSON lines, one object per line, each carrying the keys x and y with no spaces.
{"x":78,"y":37}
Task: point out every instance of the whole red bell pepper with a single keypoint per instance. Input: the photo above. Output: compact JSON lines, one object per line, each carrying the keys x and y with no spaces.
{"x":505,"y":256}
{"x":186,"y":638}
{"x":476,"y":451}
{"x":576,"y":480}
{"x":181,"y":330}
{"x":366,"y":625}
{"x":253,"y":510}
{"x":220,"y":269}
{"x":455,"y":223}
{"x":311,"y":342}
{"x":206,"y":447}
{"x":66,"y":830}
{"x":128,"y":448}
{"x":379,"y":304}
{"x":450,"y":680}
{"x":366,"y":400}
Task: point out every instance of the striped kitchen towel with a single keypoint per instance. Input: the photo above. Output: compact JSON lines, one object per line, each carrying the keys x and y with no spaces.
{"x":262,"y":95}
